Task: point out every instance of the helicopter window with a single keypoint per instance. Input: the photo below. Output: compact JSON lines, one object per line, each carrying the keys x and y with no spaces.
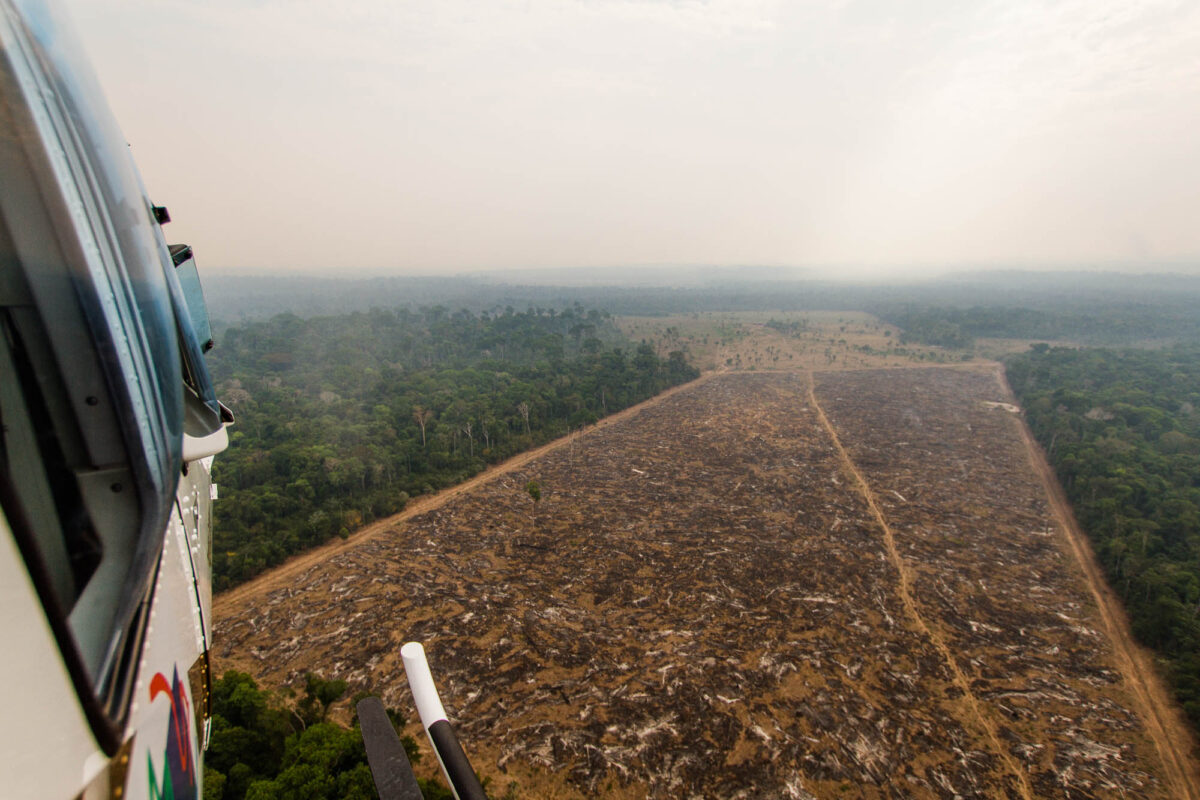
{"x":193,"y":294}
{"x":19,"y":446}
{"x":93,"y":391}
{"x":202,"y":413}
{"x":32,"y":460}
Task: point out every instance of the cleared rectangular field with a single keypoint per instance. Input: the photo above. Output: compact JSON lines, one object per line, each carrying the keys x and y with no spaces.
{"x":764,"y":585}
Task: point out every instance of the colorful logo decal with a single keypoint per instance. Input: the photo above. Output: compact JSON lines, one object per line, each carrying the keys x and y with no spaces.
{"x":179,"y":768}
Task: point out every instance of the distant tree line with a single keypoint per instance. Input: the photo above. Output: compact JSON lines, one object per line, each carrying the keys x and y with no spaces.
{"x":340,"y":420}
{"x":940,"y":327}
{"x":1120,"y":324}
{"x":1122,"y":429}
{"x":234,"y":299}
{"x":792,"y":328}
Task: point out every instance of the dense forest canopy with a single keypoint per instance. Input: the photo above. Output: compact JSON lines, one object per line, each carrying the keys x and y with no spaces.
{"x":268,"y":747}
{"x":1112,"y":324}
{"x":1122,"y":429}
{"x":340,"y":420}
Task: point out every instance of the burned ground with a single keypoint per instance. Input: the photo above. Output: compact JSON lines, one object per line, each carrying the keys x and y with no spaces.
{"x":703,"y":604}
{"x":944,"y":460}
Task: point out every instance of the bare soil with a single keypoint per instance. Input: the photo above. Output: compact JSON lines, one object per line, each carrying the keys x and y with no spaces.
{"x":1164,"y":721}
{"x":231,"y":601}
{"x":1022,"y":608}
{"x":762,"y":585}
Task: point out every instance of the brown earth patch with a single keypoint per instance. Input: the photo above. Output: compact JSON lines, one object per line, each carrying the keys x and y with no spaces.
{"x":720,"y":596}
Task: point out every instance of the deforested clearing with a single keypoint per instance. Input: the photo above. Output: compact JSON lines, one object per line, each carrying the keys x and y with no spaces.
{"x":841,"y":584}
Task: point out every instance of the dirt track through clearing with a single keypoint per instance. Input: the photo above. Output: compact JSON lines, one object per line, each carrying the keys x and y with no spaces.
{"x":1163,"y":723}
{"x":904,"y":574}
{"x":284,"y":574}
{"x":1170,"y":734}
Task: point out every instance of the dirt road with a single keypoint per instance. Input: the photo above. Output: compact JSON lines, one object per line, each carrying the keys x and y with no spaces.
{"x":973,"y":709}
{"x":1164,"y":723}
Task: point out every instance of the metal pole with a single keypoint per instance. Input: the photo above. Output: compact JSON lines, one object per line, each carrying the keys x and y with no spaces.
{"x":455,"y":765}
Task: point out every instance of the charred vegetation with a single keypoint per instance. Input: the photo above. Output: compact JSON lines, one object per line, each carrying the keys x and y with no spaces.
{"x":703,"y":603}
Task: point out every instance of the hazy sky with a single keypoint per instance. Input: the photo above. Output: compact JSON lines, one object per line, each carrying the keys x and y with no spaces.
{"x":418,"y":137}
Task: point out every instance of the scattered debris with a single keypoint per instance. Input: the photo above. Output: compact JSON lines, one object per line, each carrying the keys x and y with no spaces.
{"x":733,"y":627}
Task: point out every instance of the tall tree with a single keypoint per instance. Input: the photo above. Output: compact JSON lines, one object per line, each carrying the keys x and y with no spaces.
{"x":422,"y":416}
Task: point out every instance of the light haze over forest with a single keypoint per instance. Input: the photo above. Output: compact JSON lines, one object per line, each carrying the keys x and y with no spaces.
{"x":436,"y":137}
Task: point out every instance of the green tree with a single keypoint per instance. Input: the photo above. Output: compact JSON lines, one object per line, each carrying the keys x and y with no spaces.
{"x":1118,"y":427}
{"x":319,"y":695}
